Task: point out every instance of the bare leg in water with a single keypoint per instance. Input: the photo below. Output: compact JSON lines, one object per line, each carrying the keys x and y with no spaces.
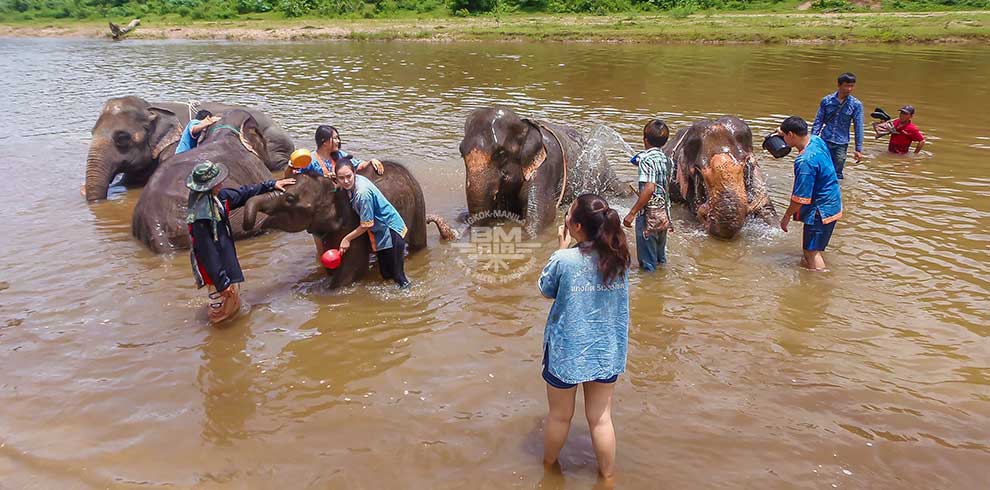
{"x":598,"y":409}
{"x":812,"y":259}
{"x":558,"y":422}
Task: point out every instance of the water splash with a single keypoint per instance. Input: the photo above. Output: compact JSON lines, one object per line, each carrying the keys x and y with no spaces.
{"x":591,"y":169}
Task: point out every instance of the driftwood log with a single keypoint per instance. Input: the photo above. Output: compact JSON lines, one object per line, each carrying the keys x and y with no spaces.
{"x":118,"y":32}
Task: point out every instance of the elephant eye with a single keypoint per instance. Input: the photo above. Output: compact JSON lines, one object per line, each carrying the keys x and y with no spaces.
{"x":291,"y":198}
{"x":121,"y":138}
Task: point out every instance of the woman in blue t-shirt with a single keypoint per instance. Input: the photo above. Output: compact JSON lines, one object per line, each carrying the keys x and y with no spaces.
{"x":586,"y":336}
{"x":328,"y":154}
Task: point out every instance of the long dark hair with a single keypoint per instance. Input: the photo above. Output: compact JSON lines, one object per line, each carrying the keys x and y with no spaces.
{"x":604,"y":230}
{"x":324,"y":132}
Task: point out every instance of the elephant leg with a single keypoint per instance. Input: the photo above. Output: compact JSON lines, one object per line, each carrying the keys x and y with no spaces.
{"x":353,"y":264}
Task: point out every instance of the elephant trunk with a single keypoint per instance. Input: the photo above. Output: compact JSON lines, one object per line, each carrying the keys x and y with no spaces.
{"x":482,"y":181}
{"x":99,"y":172}
{"x":728,"y":203}
{"x":263,"y":203}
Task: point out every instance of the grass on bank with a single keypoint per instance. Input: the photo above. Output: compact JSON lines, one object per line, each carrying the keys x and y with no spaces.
{"x":922,"y":27}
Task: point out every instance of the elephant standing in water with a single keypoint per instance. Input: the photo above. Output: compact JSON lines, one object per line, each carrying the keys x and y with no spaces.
{"x":717,"y":175}
{"x":526,"y":168}
{"x":159,"y":219}
{"x":316,"y":204}
{"x":133,"y":137}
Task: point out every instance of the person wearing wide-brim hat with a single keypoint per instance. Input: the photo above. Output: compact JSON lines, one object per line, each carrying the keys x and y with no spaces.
{"x":213,"y":256}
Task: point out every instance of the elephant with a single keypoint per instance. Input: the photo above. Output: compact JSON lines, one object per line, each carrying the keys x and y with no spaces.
{"x":133,"y":136}
{"x":159,"y":219}
{"x":717,"y":175}
{"x":316,"y":204}
{"x":525,"y":169}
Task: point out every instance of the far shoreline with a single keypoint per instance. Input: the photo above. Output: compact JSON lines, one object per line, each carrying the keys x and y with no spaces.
{"x":803,"y":28}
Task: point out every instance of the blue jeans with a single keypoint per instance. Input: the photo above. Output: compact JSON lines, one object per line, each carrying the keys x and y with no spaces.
{"x":838,"y":153}
{"x":650,"y":251}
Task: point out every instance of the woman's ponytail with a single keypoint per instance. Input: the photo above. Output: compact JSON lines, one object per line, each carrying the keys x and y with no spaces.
{"x":604,"y":228}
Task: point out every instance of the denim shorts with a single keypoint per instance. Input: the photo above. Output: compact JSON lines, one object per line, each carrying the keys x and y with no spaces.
{"x":817,"y":235}
{"x":557,"y":383}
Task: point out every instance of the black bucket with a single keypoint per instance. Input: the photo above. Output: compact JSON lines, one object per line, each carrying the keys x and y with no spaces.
{"x":775,"y":144}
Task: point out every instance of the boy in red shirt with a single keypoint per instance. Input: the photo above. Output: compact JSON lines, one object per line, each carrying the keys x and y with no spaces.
{"x":905,"y":132}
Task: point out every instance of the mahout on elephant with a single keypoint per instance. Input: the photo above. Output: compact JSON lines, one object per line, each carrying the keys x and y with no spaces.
{"x":525,"y":168}
{"x":134,"y":137}
{"x":718,"y":176}
{"x":318,"y":204}
{"x":159,"y":218}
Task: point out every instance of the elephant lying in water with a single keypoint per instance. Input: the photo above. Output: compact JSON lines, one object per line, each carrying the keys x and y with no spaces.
{"x":159,"y":219}
{"x":526,"y":168}
{"x":717,"y":175}
{"x":133,"y":137}
{"x":316,"y":204}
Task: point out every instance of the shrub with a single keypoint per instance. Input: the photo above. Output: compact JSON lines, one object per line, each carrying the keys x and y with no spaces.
{"x":472,"y":6}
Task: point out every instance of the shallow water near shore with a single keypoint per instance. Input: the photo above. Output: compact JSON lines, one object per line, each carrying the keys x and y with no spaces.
{"x":743,"y":372}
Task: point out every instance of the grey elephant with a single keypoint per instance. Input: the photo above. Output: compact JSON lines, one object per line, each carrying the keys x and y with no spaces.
{"x":133,"y":136}
{"x":159,"y":219}
{"x":526,"y":168}
{"x":717,"y":175}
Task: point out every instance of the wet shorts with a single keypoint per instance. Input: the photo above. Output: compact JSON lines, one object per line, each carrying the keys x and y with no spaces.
{"x":817,"y":235}
{"x":557,"y":383}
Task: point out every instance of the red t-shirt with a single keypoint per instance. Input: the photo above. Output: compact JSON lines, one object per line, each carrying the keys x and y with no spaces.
{"x":901,"y":143}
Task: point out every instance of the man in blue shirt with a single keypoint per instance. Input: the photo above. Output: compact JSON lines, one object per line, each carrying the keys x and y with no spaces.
{"x":835,"y":113}
{"x":380,"y":220}
{"x":190,"y":135}
{"x":816,"y":200}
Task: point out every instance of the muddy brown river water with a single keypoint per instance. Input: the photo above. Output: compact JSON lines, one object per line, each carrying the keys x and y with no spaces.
{"x":743,"y":372}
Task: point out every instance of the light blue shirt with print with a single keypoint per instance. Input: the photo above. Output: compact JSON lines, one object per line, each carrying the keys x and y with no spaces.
{"x":187,"y":141}
{"x":586,"y":336}
{"x":375,"y":211}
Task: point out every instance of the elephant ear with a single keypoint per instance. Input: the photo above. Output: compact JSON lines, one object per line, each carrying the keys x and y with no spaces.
{"x":533,"y":145}
{"x":252,"y":140}
{"x":164,"y":129}
{"x":690,"y":149}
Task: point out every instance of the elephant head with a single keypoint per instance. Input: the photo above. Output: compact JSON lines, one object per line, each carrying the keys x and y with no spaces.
{"x":713,"y":161}
{"x":245,"y":126}
{"x":501,"y":153}
{"x":129,"y":137}
{"x":314,"y":204}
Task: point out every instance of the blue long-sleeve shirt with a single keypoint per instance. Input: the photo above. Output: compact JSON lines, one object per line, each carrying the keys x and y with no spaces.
{"x":834,"y":117}
{"x":587,"y":331}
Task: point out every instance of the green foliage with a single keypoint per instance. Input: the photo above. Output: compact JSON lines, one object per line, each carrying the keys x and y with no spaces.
{"x":832,"y":5}
{"x":473,"y":6}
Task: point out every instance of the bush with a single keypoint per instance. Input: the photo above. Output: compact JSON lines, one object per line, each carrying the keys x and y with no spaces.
{"x":294,"y":8}
{"x":472,"y":6}
{"x":832,"y":5}
{"x":252,"y":6}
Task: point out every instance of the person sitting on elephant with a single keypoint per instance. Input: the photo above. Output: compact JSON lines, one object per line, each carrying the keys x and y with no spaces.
{"x":587,"y":331}
{"x":213,"y":255}
{"x":196,"y":126}
{"x":652,"y":210}
{"x":380,"y":220}
{"x":328,"y":154}
{"x":816,"y":199}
